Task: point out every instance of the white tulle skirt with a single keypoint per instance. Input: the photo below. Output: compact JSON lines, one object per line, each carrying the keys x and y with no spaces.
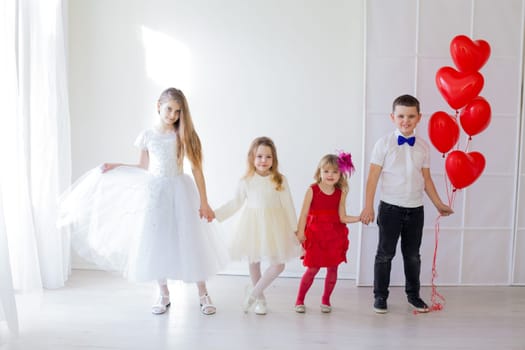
{"x":143,"y":226}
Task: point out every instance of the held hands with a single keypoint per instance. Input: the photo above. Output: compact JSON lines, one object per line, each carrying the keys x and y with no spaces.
{"x":367,"y":216}
{"x":206,"y":212}
{"x":300,"y":237}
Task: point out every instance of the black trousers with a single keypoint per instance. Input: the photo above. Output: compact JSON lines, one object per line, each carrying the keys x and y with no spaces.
{"x":395,"y":222}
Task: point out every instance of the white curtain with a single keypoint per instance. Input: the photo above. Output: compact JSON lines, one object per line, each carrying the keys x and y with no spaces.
{"x":7,"y":296}
{"x":34,"y":139}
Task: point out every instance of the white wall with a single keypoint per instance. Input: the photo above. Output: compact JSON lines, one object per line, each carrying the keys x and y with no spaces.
{"x":290,"y":70}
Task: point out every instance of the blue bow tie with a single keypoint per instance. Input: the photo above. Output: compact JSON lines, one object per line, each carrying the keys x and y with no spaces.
{"x":401,"y":140}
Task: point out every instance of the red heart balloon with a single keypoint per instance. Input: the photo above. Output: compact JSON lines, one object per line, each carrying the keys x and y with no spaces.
{"x":464,"y":168}
{"x":443,"y":131}
{"x":458,"y":88}
{"x":475,"y":117}
{"x":468,"y":55}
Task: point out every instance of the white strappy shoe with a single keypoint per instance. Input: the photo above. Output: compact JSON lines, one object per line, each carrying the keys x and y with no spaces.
{"x":207,"y":307}
{"x":162,"y":305}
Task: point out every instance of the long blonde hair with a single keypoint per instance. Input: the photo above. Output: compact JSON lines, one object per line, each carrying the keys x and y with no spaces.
{"x":332,"y":160}
{"x":276,"y":176}
{"x":188,"y":142}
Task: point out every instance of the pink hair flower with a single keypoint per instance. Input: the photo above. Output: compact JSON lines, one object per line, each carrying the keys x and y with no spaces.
{"x":344,"y":160}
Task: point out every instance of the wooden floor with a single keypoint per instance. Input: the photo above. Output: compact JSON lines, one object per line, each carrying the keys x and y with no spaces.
{"x":97,"y":310}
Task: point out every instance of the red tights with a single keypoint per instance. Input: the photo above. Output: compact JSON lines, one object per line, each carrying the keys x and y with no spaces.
{"x":308,"y":279}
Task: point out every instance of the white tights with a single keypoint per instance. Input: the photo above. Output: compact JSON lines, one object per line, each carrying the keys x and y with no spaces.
{"x":261,"y":282}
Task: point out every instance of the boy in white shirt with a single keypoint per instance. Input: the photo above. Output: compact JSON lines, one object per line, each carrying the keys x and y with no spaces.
{"x":403,"y":163}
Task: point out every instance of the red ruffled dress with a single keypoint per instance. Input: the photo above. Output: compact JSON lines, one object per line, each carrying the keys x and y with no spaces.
{"x":326,"y":236}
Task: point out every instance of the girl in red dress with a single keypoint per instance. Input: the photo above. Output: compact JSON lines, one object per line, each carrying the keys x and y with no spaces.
{"x":322,"y":225}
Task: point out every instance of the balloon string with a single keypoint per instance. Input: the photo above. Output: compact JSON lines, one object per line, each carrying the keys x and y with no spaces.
{"x":451,"y":193}
{"x":468,"y":144}
{"x":437,"y":300}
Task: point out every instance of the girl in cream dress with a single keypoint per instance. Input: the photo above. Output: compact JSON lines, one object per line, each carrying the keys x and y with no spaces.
{"x":267,"y":224}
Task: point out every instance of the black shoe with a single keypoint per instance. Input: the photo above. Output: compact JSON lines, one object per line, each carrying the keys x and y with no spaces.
{"x":380,"y":305}
{"x":418,"y":304}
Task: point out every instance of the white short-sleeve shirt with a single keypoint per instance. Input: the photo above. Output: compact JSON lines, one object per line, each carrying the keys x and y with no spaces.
{"x":402,"y":182}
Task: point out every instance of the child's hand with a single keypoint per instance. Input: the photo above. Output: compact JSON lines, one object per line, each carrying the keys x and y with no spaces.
{"x":105,"y":167}
{"x":206,"y":212}
{"x":367,"y":216}
{"x":444,"y":209}
{"x":300,"y":237}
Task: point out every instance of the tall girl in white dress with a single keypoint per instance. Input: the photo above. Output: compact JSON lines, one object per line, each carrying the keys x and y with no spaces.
{"x":268,"y":222}
{"x":143,"y":220}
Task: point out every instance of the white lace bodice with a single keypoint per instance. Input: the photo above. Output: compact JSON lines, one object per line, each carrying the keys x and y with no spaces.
{"x":162,"y":152}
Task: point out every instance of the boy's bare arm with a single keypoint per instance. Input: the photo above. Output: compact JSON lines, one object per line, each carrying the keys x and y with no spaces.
{"x":432,"y":193}
{"x":368,"y":214}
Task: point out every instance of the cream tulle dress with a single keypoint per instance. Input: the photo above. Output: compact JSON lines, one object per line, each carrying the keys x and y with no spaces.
{"x":266,"y":227}
{"x":144,"y":224}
